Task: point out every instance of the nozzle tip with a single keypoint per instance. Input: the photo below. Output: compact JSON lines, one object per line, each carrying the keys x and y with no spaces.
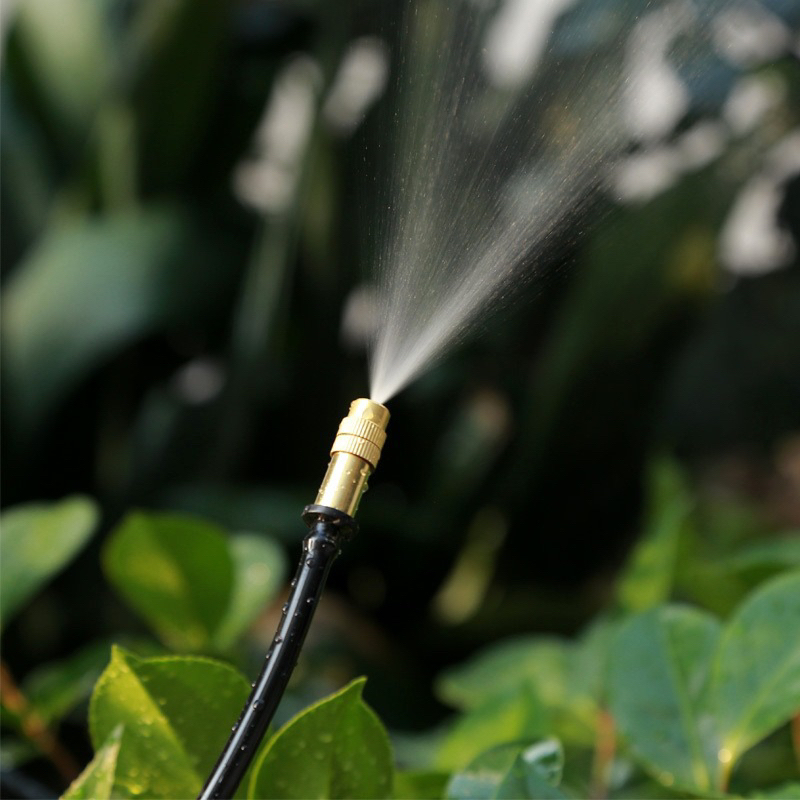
{"x":363,"y":431}
{"x":369,"y":409}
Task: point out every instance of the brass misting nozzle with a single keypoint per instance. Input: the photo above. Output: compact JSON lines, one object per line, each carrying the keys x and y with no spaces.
{"x":354,"y":455}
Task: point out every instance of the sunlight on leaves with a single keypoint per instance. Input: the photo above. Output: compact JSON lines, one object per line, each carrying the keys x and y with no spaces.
{"x":177,"y":713}
{"x":336,"y":748}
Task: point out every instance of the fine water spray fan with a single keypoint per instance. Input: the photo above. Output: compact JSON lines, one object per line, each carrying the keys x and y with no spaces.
{"x":331,"y":522}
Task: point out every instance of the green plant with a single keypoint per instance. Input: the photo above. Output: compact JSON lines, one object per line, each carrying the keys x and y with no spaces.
{"x":656,"y":698}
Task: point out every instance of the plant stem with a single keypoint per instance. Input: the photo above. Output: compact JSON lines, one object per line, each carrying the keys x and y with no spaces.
{"x":604,"y":751}
{"x":796,"y":736}
{"x":35,"y":728}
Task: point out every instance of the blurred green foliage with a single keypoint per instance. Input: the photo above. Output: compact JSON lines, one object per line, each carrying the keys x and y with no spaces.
{"x":37,"y":541}
{"x":168,"y":347}
{"x":656,"y":700}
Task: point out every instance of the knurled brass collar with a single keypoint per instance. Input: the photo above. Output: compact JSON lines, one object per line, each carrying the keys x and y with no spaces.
{"x":363,"y":431}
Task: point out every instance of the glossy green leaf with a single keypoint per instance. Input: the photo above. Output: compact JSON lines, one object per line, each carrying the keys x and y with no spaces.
{"x":756,"y":678}
{"x":177,"y":713}
{"x":259,"y":568}
{"x":420,"y":784}
{"x":657,"y":681}
{"x":647,"y":578}
{"x":517,"y":715}
{"x":36,"y":541}
{"x":690,"y":700}
{"x":176,"y":571}
{"x":535,"y":773}
{"x":96,"y":782}
{"x":337,"y":748}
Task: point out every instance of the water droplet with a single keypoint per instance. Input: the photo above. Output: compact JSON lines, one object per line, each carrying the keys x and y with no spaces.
{"x":310,"y":601}
{"x":258,"y":705}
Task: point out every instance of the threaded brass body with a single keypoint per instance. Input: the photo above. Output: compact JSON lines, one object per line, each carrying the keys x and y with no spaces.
{"x":354,"y":455}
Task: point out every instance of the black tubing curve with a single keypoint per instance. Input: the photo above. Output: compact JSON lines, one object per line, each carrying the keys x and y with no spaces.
{"x":328,"y":529}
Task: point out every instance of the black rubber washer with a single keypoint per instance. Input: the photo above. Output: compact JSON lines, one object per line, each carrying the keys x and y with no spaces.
{"x":346,"y":525}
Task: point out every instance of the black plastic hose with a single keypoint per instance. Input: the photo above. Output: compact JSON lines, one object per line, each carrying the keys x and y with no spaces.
{"x":329,"y":529}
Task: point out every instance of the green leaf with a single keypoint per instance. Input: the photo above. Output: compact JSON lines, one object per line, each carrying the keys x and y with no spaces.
{"x":568,"y":678}
{"x":505,"y":667}
{"x":420,"y":784}
{"x":756,"y":677}
{"x":36,"y":542}
{"x":259,"y":566}
{"x":336,"y":748}
{"x":176,"y":571}
{"x":786,"y":791}
{"x":177,"y":713}
{"x":657,"y":679}
{"x":691,"y":700}
{"x":480,"y":779}
{"x":535,"y":773}
{"x":778,"y":553}
{"x":69,"y":58}
{"x":65,"y":310}
{"x":96,"y":782}
{"x":588,"y":665}
{"x":517,"y":715}
{"x":647,"y":578}
{"x":512,"y":770}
